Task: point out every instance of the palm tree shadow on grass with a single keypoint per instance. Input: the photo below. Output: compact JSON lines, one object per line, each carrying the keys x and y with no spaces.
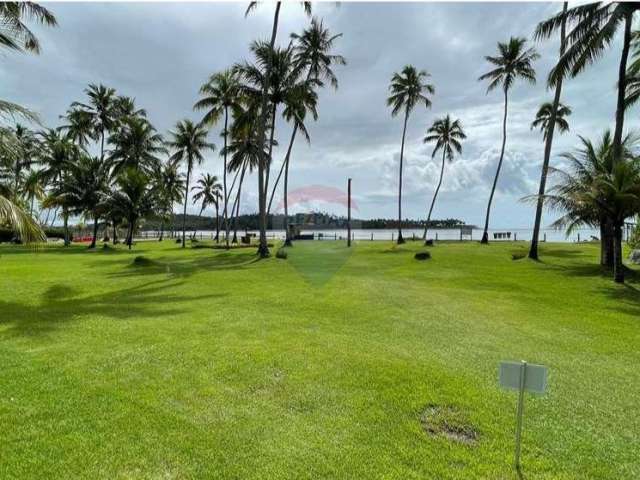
{"x":62,"y":303}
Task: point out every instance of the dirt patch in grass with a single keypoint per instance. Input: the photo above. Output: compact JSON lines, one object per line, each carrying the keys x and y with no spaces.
{"x":449,"y":422}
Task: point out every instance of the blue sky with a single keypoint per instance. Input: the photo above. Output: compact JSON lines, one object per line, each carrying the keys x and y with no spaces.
{"x":160,"y":53}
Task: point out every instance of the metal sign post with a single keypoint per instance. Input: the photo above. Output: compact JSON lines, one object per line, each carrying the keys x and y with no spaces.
{"x":522,"y":376}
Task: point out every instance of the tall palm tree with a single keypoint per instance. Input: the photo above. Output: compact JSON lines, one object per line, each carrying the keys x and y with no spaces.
{"x":408,"y":89}
{"x":513,"y":61}
{"x":189,"y":142}
{"x":221,"y":94}
{"x":545,"y":116}
{"x":208,"y":192}
{"x":79,"y":126}
{"x":58,"y":153}
{"x":27,"y":145}
{"x":33,"y":188}
{"x":447,"y":134}
{"x":598,"y":185}
{"x":263,"y":249}
{"x":133,"y":198}
{"x":548,"y":130}
{"x":313,"y":53}
{"x":102,"y":108}
{"x":168,"y":187}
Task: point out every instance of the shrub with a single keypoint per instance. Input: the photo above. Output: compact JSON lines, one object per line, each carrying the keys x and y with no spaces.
{"x":422,"y":256}
{"x":142,"y":261}
{"x":518,"y":255}
{"x":281,"y":253}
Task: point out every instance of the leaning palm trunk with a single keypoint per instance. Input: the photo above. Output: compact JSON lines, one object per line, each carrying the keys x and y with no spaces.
{"x":224,"y":180}
{"x":285,"y":168}
{"x":618,"y":269}
{"x":161,"y":229}
{"x":533,"y":249}
{"x":404,"y":131}
{"x":236,"y":205}
{"x":65,"y":221}
{"x":435,"y":195}
{"x":606,"y":243}
{"x":263,"y":249}
{"x":485,"y":233}
{"x":186,"y":199}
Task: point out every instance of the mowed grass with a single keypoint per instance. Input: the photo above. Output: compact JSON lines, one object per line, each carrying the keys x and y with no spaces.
{"x":201,"y":363}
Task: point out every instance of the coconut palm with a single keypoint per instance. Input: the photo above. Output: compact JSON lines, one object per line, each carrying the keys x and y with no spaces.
{"x":57,"y":154}
{"x":27,"y":146}
{"x":312,"y":52}
{"x":79,"y":126}
{"x":408,"y":89}
{"x":597,"y":186}
{"x":19,"y":221}
{"x":168,"y":187}
{"x":14,"y":34}
{"x":84,"y":190}
{"x":134,"y":199}
{"x":33,"y":188}
{"x":544,"y":115}
{"x":513,"y":62}
{"x":221,"y":94}
{"x":447,"y":134}
{"x":593,"y":28}
{"x":136,"y":144}
{"x":263,"y":249}
{"x":102,"y":109}
{"x":208,"y":192}
{"x":189,"y":142}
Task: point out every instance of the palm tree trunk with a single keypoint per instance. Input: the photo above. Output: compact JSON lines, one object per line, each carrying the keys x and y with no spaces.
{"x":95,"y":232}
{"x":115,"y":232}
{"x":263,"y":249}
{"x":217,"y":224}
{"x":224,"y":177}
{"x":606,"y":243}
{"x":485,"y":233}
{"x":285,"y":162}
{"x":186,"y":199}
{"x":435,"y":195}
{"x":404,"y":131}
{"x":618,"y":267}
{"x":65,"y":221}
{"x":31,"y":206}
{"x":533,"y":249}
{"x":102,"y":146}
{"x":236,"y":205}
{"x":130,"y":233}
{"x":161,"y":229}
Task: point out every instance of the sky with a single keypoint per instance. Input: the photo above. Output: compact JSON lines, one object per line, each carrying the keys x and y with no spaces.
{"x":160,"y":54}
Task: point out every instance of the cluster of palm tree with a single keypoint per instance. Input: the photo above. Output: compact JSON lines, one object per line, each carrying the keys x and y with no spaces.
{"x":251,"y":97}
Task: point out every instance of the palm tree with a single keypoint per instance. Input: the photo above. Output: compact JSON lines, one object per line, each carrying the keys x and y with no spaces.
{"x":512,"y":62}
{"x":79,"y":126}
{"x":208,"y":190}
{"x":58,"y":153}
{"x":312,"y":52}
{"x":593,"y":28}
{"x":408,"y":89}
{"x":27,"y":145}
{"x":168,"y":187}
{"x":14,"y":34}
{"x":221,"y":94}
{"x":598,"y":186}
{"x":22,"y":223}
{"x":447,"y":134}
{"x":545,"y":115}
{"x":102,"y":109}
{"x":136,"y":144}
{"x":85,"y":190}
{"x":189,"y":141}
{"x":263,"y":249}
{"x":33,"y":188}
{"x":133,"y":199}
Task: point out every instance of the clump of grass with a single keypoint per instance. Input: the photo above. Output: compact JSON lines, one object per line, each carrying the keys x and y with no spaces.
{"x":422,"y":256}
{"x":518,"y":255}
{"x":281,"y":253}
{"x":449,"y":422}
{"x":142,"y":261}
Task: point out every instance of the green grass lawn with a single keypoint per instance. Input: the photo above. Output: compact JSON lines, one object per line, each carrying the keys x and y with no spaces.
{"x":202,"y":363}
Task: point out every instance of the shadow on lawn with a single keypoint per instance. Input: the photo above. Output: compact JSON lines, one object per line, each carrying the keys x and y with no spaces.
{"x":62,"y":303}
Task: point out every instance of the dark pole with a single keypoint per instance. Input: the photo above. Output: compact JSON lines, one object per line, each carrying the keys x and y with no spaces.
{"x":349,"y":213}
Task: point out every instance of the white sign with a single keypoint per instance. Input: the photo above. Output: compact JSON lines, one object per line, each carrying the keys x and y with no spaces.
{"x":535,"y":376}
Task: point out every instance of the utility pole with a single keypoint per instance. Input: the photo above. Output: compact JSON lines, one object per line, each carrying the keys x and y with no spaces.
{"x":349,"y":213}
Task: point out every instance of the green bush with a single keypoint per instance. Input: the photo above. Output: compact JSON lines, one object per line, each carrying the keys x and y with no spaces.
{"x":422,"y":256}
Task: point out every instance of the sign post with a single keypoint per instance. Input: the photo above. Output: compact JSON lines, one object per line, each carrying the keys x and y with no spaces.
{"x":522,"y":376}
{"x":349,"y":213}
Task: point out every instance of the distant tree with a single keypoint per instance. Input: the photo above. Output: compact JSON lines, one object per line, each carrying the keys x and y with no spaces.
{"x":168,"y":187}
{"x":514,"y":61}
{"x":102,"y":110}
{"x":189,"y":142}
{"x":408,"y":89}
{"x":221,"y":94}
{"x":447,"y":134}
{"x":542,"y":121}
{"x":134,"y":199}
{"x":136,"y":144}
{"x":208,"y":193}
